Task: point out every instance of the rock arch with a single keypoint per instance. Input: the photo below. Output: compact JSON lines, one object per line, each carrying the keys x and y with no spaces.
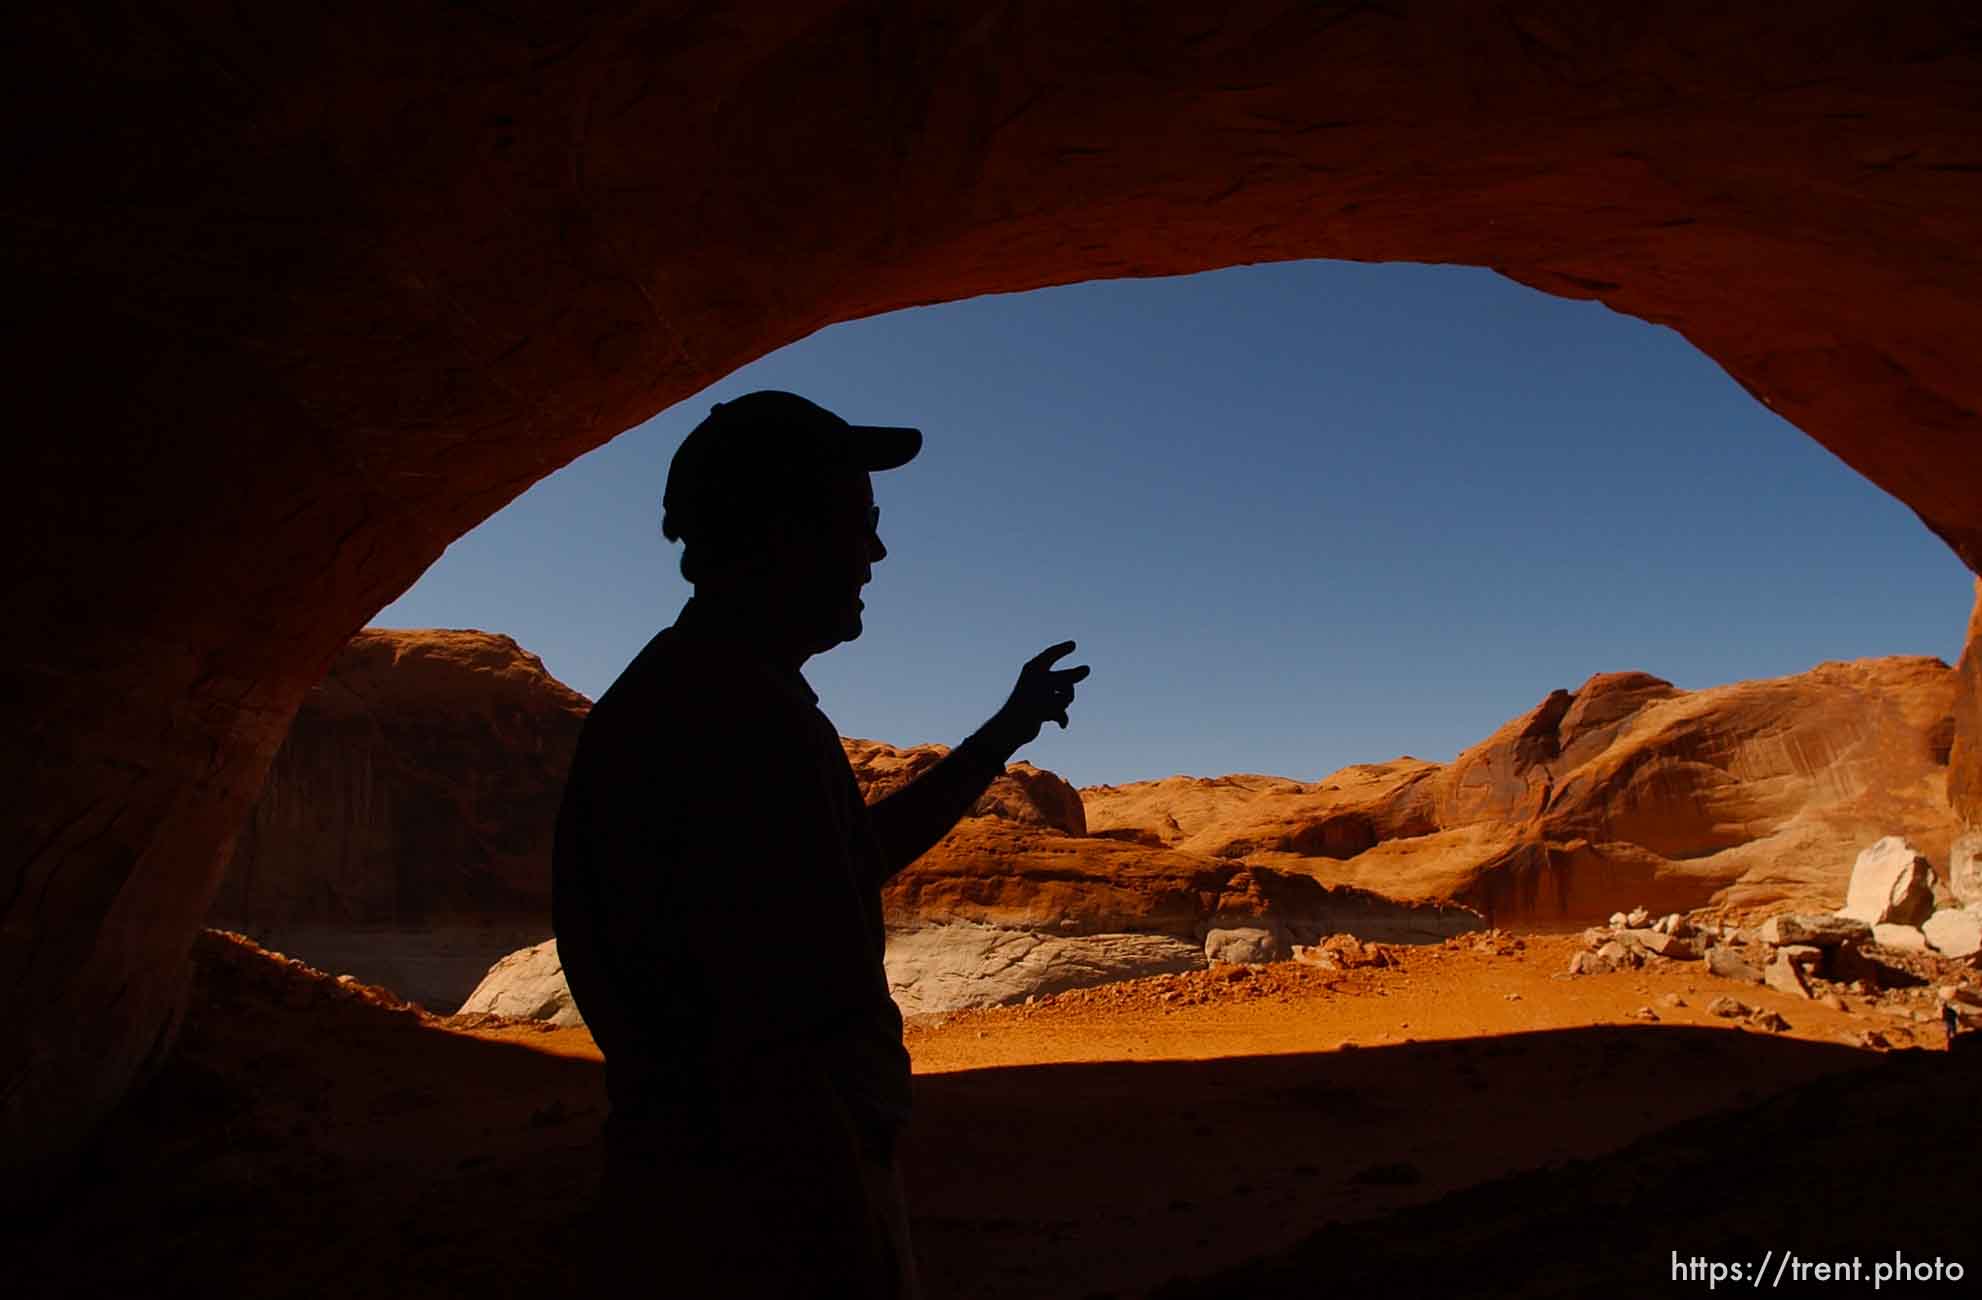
{"x":310,"y":295}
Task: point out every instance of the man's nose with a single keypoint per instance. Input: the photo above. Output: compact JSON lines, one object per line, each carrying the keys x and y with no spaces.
{"x":876,"y":551}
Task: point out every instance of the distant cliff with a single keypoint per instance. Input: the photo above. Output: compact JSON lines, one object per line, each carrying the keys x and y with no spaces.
{"x":1625,"y":791}
{"x":419,"y":785}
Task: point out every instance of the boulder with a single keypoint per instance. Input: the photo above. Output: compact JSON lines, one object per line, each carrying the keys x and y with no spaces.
{"x":1819,"y":931}
{"x":1900,"y":938}
{"x":1890,"y":882}
{"x":1806,"y":958}
{"x":1728,"y":1008}
{"x":528,"y":984}
{"x":1246,"y":945}
{"x":1851,"y":964}
{"x":1730,"y":965}
{"x":1663,"y":944}
{"x":964,"y":964}
{"x":1617,"y":955}
{"x":1784,"y":976}
{"x":1955,"y":931}
{"x":1965,"y":869}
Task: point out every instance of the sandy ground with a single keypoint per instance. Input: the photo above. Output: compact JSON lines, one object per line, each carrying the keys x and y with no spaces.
{"x":1258,"y":1131}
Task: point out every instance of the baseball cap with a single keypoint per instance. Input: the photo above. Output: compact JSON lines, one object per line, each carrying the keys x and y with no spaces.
{"x":770,"y":436}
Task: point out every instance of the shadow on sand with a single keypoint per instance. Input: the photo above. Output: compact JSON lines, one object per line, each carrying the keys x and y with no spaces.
{"x":299,"y":1144}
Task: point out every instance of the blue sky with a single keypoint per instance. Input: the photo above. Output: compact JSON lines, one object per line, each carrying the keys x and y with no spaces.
{"x":1297,"y":516}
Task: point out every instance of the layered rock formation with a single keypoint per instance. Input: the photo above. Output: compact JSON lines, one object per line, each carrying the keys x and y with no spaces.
{"x":411,"y":811}
{"x":286,"y":348}
{"x":419,"y":785}
{"x":404,"y":832}
{"x":1622,"y":792}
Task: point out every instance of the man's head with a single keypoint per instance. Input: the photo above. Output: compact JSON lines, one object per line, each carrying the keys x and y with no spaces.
{"x":772,"y":498}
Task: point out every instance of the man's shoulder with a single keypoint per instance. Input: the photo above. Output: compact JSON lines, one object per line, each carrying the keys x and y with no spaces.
{"x":680,"y":682}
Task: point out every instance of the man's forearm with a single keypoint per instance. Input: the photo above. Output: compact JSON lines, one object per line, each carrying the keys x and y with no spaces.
{"x":909,"y":822}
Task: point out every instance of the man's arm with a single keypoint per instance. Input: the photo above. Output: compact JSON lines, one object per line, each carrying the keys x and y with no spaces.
{"x":908,"y":822}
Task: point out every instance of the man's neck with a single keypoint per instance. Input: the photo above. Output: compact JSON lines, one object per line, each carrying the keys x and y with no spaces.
{"x":751,"y":621}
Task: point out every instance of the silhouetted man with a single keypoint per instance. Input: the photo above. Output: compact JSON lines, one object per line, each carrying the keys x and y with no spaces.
{"x":717,"y":881}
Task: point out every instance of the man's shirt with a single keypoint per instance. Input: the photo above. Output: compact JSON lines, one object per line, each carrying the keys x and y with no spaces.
{"x":717,"y":888}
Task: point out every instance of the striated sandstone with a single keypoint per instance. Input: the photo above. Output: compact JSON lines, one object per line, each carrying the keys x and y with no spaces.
{"x":419,"y":783}
{"x":1624,"y":792}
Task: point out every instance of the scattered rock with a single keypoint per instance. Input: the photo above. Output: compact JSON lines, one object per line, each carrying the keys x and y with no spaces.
{"x":1618,"y":920}
{"x":1247,"y":945}
{"x":1353,"y":952}
{"x":1902,"y":938}
{"x":1890,"y":882}
{"x":1769,"y":1021}
{"x":1637,"y":918}
{"x":1671,"y":1000}
{"x":1645,"y":1013}
{"x":1955,"y":931}
{"x":1730,"y":965}
{"x":1728,"y":1008}
{"x":1817,"y":931}
{"x":1666,"y":944}
{"x":1834,"y":1002}
{"x":1784,"y":977}
{"x":1807,"y":958}
{"x":1873,"y":1040}
{"x":1616,"y":956}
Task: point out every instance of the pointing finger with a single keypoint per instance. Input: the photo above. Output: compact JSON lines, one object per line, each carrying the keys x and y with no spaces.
{"x":1068,"y":676}
{"x":1051,"y":655}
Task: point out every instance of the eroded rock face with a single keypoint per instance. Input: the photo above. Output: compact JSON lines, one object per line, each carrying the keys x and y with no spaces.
{"x":1621,"y":792}
{"x":419,"y":784}
{"x":321,"y":345}
{"x":1029,"y":795}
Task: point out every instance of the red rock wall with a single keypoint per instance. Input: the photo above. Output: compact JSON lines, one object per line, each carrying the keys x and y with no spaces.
{"x":311,"y":294}
{"x":418,"y":785}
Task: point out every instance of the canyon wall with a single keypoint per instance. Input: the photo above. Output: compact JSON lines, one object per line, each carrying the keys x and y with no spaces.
{"x":1623,"y":792}
{"x":419,"y":785}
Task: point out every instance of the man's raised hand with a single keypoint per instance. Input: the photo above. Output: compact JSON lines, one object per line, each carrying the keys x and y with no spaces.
{"x":1042,"y":695}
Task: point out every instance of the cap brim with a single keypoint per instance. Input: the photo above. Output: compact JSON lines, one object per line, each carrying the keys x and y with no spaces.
{"x":879,"y":446}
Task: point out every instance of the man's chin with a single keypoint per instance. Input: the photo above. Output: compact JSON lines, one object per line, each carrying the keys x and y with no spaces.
{"x":847,"y":627}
